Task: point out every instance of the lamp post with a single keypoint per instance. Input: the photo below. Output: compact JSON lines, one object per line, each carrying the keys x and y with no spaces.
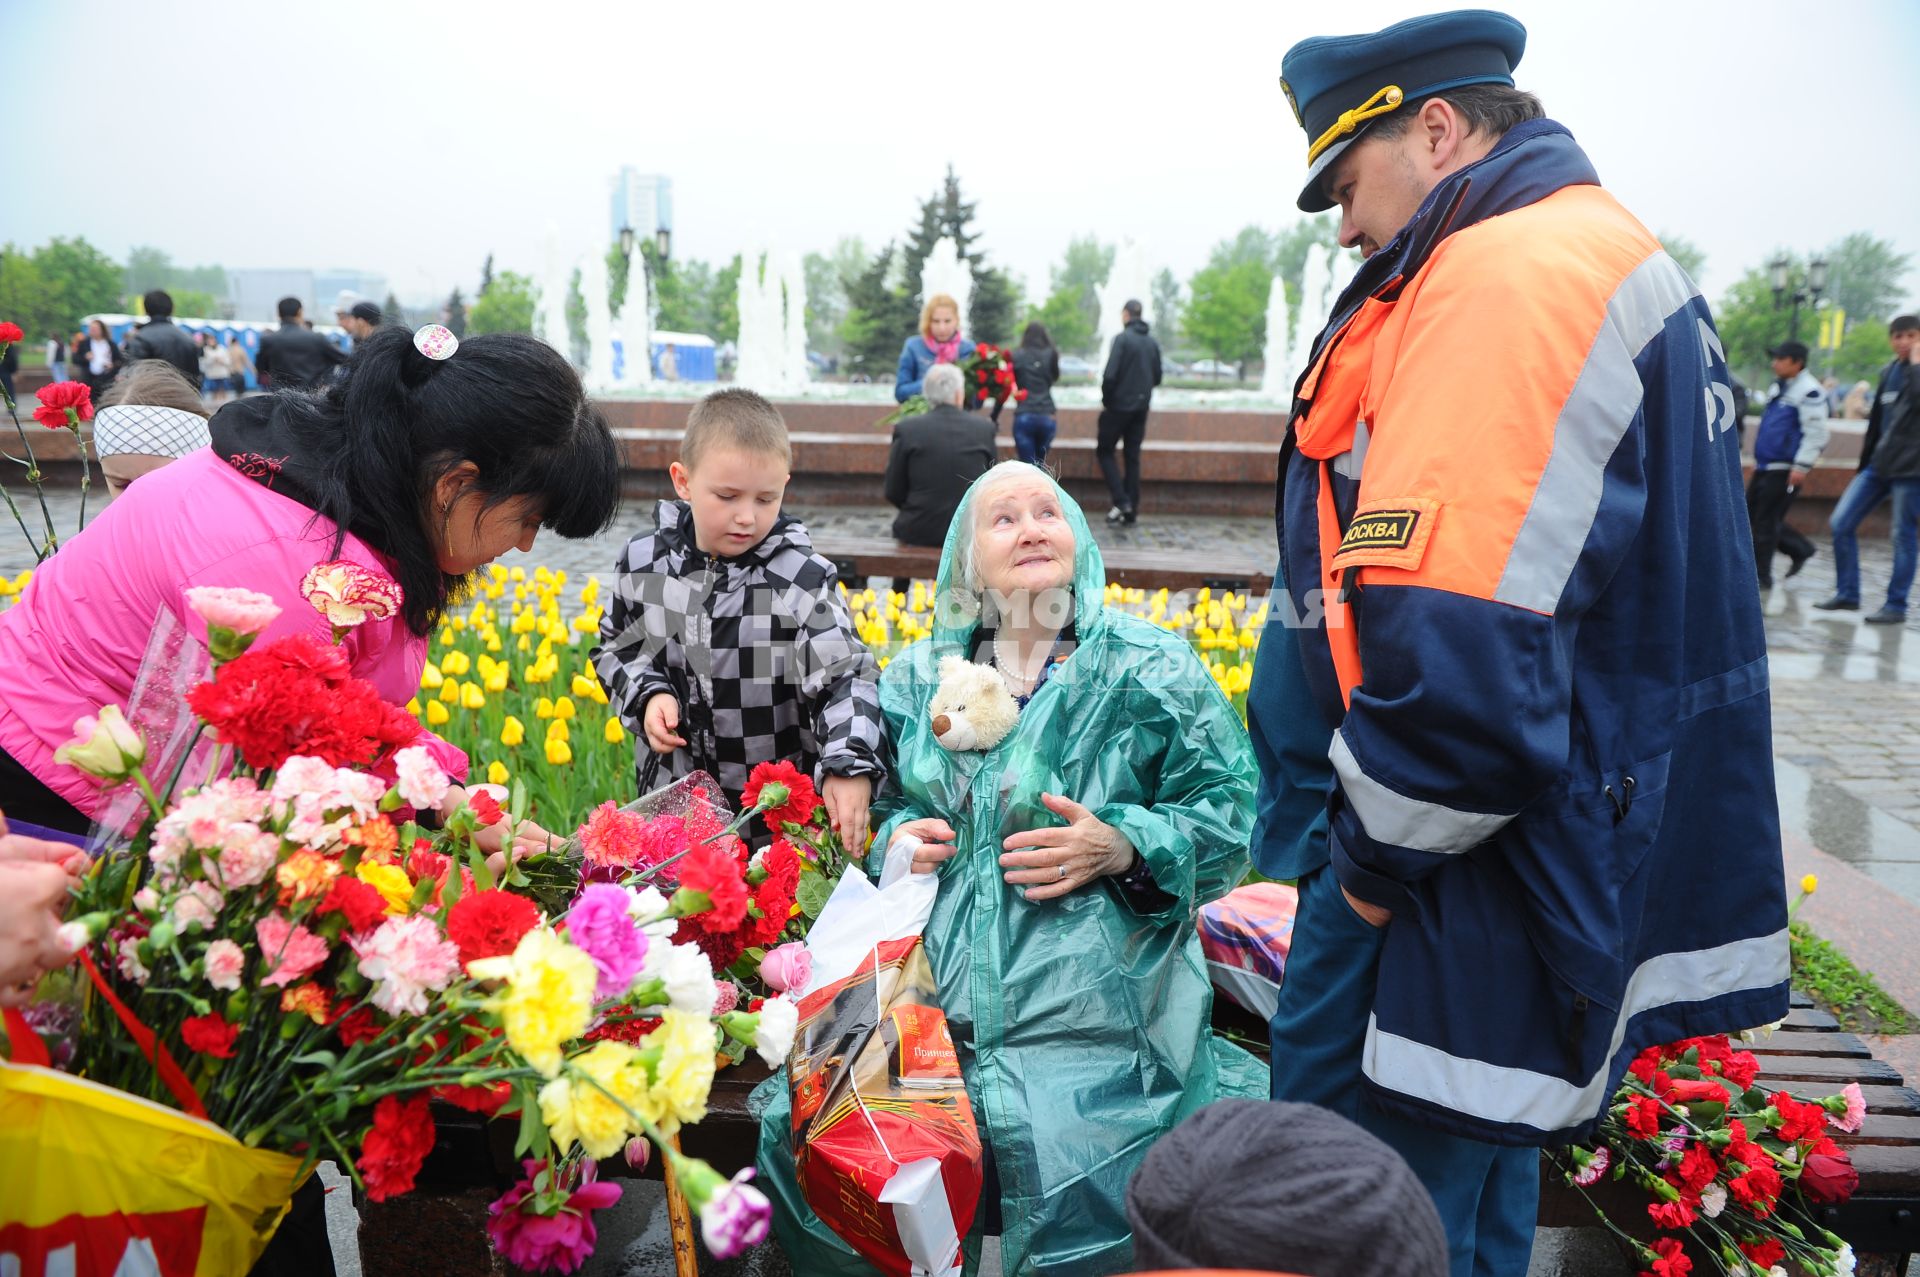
{"x":1807,"y":288}
{"x":626,"y":242}
{"x":663,"y":241}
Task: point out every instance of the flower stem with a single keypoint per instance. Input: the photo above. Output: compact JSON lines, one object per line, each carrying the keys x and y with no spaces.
{"x":86,"y":472}
{"x":146,"y":791}
{"x":41,"y":554}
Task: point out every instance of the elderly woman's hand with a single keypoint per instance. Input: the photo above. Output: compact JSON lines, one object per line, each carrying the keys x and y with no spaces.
{"x":1063,"y":858}
{"x":936,"y":842}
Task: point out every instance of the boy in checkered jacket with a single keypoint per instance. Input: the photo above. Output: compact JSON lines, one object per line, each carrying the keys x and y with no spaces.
{"x":727,"y":644}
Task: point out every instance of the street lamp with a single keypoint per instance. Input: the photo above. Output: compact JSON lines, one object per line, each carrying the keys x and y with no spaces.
{"x":663,"y":240}
{"x":1785,"y":287}
{"x":626,"y":241}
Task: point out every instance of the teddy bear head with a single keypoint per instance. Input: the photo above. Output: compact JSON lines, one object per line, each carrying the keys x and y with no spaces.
{"x":972,"y":708}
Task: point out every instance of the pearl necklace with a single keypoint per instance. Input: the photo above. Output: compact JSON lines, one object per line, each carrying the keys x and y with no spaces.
{"x":1010,"y":670}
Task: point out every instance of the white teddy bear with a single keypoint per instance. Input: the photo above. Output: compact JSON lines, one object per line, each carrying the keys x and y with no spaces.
{"x":972,"y":708}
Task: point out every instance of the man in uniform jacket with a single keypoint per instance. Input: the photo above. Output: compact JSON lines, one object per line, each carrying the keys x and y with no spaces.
{"x":160,"y":338}
{"x":935,"y":458}
{"x":294,"y":355}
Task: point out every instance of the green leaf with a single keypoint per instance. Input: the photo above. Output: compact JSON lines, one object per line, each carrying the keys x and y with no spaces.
{"x":450,"y":893}
{"x":324,"y":1059}
{"x":481,"y":874}
{"x":812,"y":893}
{"x":533,"y":1132}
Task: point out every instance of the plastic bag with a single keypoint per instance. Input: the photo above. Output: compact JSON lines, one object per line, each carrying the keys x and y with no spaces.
{"x":884,"y":1139}
{"x":1245,"y":935}
{"x":98,"y":1183}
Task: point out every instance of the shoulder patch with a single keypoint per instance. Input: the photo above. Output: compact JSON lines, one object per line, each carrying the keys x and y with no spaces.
{"x":1388,"y":533}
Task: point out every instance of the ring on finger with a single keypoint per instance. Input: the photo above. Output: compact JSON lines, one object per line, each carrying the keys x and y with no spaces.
{"x":1063,"y":869}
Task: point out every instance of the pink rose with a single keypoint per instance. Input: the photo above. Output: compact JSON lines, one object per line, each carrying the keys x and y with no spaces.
{"x":348,"y":594}
{"x":225,"y":960}
{"x":788,"y":968}
{"x":244,"y":612}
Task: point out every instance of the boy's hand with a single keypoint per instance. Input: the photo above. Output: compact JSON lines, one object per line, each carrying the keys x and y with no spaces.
{"x":661,"y":722}
{"x":847,"y":798}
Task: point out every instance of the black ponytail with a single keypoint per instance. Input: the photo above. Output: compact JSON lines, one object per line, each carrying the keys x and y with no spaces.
{"x":384,"y":433}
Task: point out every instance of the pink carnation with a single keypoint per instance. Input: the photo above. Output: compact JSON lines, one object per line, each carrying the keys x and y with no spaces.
{"x":348,"y":594}
{"x":563,"y":1240}
{"x":601,"y":926}
{"x":1854,"y":1110}
{"x":225,"y":959}
{"x":290,"y":951}
{"x":406,"y":957}
{"x":419,"y":779}
{"x":232,"y":608}
{"x":247,"y":855}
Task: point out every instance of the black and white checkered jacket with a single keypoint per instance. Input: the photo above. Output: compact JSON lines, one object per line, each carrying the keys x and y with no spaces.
{"x":759,"y":650}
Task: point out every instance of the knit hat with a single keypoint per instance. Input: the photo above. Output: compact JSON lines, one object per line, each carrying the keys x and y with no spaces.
{"x":1282,"y":1187}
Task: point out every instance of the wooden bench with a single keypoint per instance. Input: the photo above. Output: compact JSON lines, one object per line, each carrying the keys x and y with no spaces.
{"x":860,"y":557}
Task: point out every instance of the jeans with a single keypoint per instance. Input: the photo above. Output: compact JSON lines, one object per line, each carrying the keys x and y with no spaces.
{"x":1488,"y":1195}
{"x":1114,"y":427}
{"x":1868,"y":489}
{"x":1032,"y":435}
{"x":1767,"y":500}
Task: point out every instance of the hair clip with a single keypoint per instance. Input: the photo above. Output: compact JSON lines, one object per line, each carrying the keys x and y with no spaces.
{"x":435,"y":341}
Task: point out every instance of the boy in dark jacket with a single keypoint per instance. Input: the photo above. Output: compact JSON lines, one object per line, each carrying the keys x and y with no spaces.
{"x":728,"y":644}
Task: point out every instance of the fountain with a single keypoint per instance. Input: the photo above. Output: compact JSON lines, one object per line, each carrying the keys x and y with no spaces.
{"x":598,"y":373}
{"x":945,"y":272}
{"x":636,"y":329}
{"x":1129,"y":280}
{"x":551,"y":321}
{"x":1276,"y":381}
{"x":1315,"y":305}
{"x":773,"y":324}
{"x":1342,"y":266}
{"x":794,"y":350}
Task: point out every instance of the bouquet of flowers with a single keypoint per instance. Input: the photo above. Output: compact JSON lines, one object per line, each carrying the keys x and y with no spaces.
{"x":284,"y":962}
{"x":987,"y":374}
{"x":1726,"y":1163}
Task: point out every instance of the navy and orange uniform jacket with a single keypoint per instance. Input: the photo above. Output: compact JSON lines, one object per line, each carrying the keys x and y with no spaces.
{"x":1526,"y":640}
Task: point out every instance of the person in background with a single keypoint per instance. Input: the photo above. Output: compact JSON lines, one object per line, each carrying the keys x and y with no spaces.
{"x":1889,"y":466}
{"x":149,"y":416}
{"x":239,"y":364}
{"x":935,"y":457}
{"x":361,"y":320}
{"x":214,"y":369}
{"x":1126,"y":393}
{"x":938,"y":342}
{"x":1789,"y":439}
{"x":1289,"y":1188}
{"x":293,"y":356}
{"x":56,"y":358}
{"x":343,"y":305}
{"x":96,"y":360}
{"x":161,"y":338}
{"x":669,"y":364}
{"x":1036,"y":366}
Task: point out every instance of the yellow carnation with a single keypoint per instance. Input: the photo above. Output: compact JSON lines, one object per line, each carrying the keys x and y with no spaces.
{"x":683,"y":1074}
{"x":548,"y":1000}
{"x":576,"y":1109}
{"x":390,"y":881}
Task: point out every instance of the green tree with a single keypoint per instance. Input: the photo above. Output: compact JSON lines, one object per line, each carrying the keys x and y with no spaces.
{"x":1690,"y":256}
{"x":194,"y":303}
{"x":506,"y":306}
{"x":995,"y":302}
{"x":25,"y":299}
{"x":723,"y":303}
{"x":1865,"y":275}
{"x":878,"y":318}
{"x":79,"y":279}
{"x":148,"y":267}
{"x":618,"y":264}
{"x":486,"y":277}
{"x":827,"y":275}
{"x":1748,"y":324}
{"x":454,"y":313}
{"x":1227,"y":313}
{"x":949,"y":214}
{"x":577,"y":321}
{"x":1166,"y":303}
{"x":1066,"y":322}
{"x":391,"y":312}
{"x":1076,"y":280}
{"x":1864,"y":351}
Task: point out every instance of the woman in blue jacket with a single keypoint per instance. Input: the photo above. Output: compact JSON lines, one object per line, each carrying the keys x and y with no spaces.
{"x":938,"y":342}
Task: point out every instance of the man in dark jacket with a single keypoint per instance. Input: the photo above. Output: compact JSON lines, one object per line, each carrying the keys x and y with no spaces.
{"x":935,"y":457}
{"x":293,"y":354}
{"x":1126,"y":391}
{"x":161,"y":339}
{"x":1889,"y":466}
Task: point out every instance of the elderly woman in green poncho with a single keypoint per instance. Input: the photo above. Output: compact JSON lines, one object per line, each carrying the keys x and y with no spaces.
{"x":1072,"y":857}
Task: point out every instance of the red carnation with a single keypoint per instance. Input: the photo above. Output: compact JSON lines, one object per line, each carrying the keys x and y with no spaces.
{"x":794,"y":799}
{"x":1643,"y":1117}
{"x":1765,"y":1254}
{"x":394,"y":1149}
{"x":1740,"y":1068}
{"x":1670,"y":1214}
{"x":486,"y":808}
{"x":1799,"y":1121}
{"x":1758,"y":1189}
{"x":629,"y":1030}
{"x":709,"y":869}
{"x":489,"y":924}
{"x":1829,"y":1177}
{"x":359,"y":1025}
{"x":11,"y":332}
{"x":57,"y":401}
{"x":774,"y":896}
{"x":1697,"y":1168}
{"x":296,"y":696}
{"x":363,"y":906}
{"x":1670,"y":1260}
{"x":210,"y":1035}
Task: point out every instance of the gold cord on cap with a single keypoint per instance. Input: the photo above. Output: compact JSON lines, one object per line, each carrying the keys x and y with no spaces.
{"x":1379,"y":104}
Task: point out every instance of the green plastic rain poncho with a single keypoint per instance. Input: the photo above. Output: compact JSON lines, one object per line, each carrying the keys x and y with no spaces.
{"x":1083,"y":1024}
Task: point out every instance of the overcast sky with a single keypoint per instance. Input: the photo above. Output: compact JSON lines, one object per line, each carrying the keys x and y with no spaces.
{"x":413,"y":138}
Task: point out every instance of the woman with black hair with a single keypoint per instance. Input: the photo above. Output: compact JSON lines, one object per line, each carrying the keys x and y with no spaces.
{"x":418,"y":468}
{"x":1036,"y":366}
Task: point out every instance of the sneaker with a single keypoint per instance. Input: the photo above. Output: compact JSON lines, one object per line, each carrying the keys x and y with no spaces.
{"x":1838,"y":604}
{"x":1116,"y":514}
{"x":1129,"y":517}
{"x":1887,"y":616}
{"x":1794,"y":568}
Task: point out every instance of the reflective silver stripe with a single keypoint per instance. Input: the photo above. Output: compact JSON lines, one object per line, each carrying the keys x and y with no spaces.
{"x":1392,"y":817}
{"x":1591,"y":423}
{"x":1497,"y":1093}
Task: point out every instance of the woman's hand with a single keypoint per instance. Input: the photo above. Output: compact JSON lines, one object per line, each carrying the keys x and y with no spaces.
{"x":936,"y":842}
{"x":1064,"y":858}
{"x":35,"y":877}
{"x":528,"y":839}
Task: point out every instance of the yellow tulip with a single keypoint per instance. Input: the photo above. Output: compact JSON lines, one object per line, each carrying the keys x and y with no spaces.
{"x":516,"y":574}
{"x":471,"y":697}
{"x":497,"y":773}
{"x":436,"y":714}
{"x":583,"y":687}
{"x":563,"y":708}
{"x":559,"y":753}
{"x":524,"y":643}
{"x":614,"y":733}
{"x":446,"y":636}
{"x":413,"y":706}
{"x":543,"y":708}
{"x":457,"y":622}
{"x":493,"y":640}
{"x":430,"y":676}
{"x":1810,"y":883}
{"x":512,"y":732}
{"x":497,"y":680}
{"x":558,"y":730}
{"x":450,"y":691}
{"x":457,"y":663}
